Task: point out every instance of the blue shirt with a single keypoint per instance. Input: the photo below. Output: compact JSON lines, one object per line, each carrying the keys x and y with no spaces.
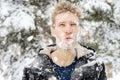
{"x":65,"y":72}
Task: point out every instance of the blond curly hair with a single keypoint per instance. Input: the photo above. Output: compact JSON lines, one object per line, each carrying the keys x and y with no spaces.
{"x":65,"y":6}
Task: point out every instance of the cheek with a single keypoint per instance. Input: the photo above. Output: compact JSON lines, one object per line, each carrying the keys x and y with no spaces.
{"x":76,"y":34}
{"x":75,"y":31}
{"x":58,"y":33}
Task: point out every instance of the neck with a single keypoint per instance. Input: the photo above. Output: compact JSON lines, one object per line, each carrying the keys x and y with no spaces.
{"x":63,"y":57}
{"x":66,"y":51}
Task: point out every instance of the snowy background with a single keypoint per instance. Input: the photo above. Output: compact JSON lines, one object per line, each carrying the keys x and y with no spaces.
{"x":25,"y":24}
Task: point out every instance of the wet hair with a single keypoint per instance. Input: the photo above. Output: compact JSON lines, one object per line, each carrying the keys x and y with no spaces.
{"x":65,"y":6}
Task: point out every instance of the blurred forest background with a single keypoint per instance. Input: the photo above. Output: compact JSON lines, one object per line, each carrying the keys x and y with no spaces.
{"x":25,"y":24}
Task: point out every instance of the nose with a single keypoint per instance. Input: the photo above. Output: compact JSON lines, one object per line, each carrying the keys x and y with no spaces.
{"x":68,"y":30}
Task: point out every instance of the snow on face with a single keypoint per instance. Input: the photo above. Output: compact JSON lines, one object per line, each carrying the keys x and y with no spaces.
{"x":55,"y":59}
{"x":65,"y":44}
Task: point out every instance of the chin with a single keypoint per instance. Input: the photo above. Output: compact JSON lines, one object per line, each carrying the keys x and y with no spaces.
{"x":66,"y":46}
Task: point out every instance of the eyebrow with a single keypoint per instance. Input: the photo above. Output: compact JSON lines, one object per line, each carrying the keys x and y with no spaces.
{"x":71,"y":21}
{"x":61,"y":22}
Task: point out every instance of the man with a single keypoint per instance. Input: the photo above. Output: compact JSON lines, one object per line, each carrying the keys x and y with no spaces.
{"x":67,"y":59}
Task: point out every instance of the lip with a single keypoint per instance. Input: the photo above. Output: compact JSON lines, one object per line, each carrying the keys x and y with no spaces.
{"x":68,"y":38}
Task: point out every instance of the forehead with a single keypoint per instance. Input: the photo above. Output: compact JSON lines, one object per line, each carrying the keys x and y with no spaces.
{"x":66,"y":17}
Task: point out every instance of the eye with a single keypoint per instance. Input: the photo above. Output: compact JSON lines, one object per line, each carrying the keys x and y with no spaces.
{"x":61,"y":25}
{"x":73,"y":24}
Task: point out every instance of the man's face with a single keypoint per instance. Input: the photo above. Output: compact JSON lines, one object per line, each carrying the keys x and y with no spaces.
{"x":66,"y":30}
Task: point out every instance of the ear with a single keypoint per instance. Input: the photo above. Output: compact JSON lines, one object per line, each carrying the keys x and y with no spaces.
{"x":52,"y":31}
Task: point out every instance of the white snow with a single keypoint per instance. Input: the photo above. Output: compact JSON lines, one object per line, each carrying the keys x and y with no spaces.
{"x":52,"y":78}
{"x":20,"y":20}
{"x":55,"y":59}
{"x":30,"y":38}
{"x":97,"y":4}
{"x":115,"y":76}
{"x":16,"y":16}
{"x":3,"y":32}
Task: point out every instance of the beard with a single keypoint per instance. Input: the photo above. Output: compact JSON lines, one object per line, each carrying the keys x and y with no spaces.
{"x":64,"y":45}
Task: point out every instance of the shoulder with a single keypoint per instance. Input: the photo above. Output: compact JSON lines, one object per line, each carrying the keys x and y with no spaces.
{"x":85,"y":51}
{"x":48,"y":49}
{"x":90,"y":67}
{"x":43,"y":56}
{"x":88,"y":57}
{"x":38,"y":68}
{"x":41,"y":60}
